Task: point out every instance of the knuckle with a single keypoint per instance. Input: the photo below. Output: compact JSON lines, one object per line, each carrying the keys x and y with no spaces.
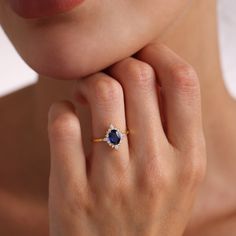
{"x":116,"y":194}
{"x":65,"y":126}
{"x":120,"y":187}
{"x":196,"y":144}
{"x":184,"y":77}
{"x":153,"y":178}
{"x":78,"y":200}
{"x":73,"y":198}
{"x":107,"y":89}
{"x":140,"y":72}
{"x":194,"y":169}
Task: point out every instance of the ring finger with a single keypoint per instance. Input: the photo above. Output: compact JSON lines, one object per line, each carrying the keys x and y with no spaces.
{"x":106,"y":100}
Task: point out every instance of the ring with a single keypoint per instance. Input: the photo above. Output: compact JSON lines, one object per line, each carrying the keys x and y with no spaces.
{"x":113,"y":137}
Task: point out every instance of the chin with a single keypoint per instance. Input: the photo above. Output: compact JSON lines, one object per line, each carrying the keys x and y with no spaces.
{"x":77,"y":44}
{"x":69,"y":63}
{"x":66,"y":64}
{"x":86,"y":40}
{"x":62,"y":54}
{"x":67,"y":56}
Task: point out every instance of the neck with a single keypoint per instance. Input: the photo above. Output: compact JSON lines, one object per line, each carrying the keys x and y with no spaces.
{"x":195,"y":38}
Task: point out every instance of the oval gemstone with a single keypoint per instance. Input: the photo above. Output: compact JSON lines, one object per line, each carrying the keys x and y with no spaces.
{"x":114,"y":137}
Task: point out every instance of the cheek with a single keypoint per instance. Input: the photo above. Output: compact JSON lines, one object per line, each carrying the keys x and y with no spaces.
{"x":89,"y":39}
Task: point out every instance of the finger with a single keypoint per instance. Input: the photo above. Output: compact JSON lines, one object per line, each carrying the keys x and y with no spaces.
{"x":105,"y":98}
{"x":68,"y":163}
{"x":181,"y":90}
{"x":141,"y":98}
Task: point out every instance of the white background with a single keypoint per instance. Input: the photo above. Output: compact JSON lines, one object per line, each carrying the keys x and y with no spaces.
{"x":15,"y":74}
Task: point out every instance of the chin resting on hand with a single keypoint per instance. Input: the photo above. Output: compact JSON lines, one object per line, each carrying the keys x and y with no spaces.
{"x":146,"y":187}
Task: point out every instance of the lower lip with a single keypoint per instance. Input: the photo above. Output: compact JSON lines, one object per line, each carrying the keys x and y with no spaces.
{"x":42,"y":8}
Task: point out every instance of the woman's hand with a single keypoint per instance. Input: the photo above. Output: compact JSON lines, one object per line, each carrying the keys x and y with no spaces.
{"x":148,"y":186}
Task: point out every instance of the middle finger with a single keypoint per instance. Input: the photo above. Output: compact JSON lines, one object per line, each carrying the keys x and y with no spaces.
{"x":142,"y":107}
{"x":105,"y":98}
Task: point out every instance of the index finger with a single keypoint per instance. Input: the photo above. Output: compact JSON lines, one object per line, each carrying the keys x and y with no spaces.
{"x":181,"y":93}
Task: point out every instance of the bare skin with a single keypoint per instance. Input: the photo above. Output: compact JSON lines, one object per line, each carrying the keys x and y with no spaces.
{"x":219,"y":129}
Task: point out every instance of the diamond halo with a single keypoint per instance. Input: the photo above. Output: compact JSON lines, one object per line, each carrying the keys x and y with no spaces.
{"x":113,"y":137}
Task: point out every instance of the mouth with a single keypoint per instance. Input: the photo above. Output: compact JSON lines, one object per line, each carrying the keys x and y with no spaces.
{"x":31,"y":9}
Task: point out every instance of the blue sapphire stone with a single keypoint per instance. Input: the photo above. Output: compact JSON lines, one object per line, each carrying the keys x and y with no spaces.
{"x":114,"y":137}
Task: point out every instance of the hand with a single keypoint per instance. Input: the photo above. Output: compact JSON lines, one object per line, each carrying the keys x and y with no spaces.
{"x":148,"y":186}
